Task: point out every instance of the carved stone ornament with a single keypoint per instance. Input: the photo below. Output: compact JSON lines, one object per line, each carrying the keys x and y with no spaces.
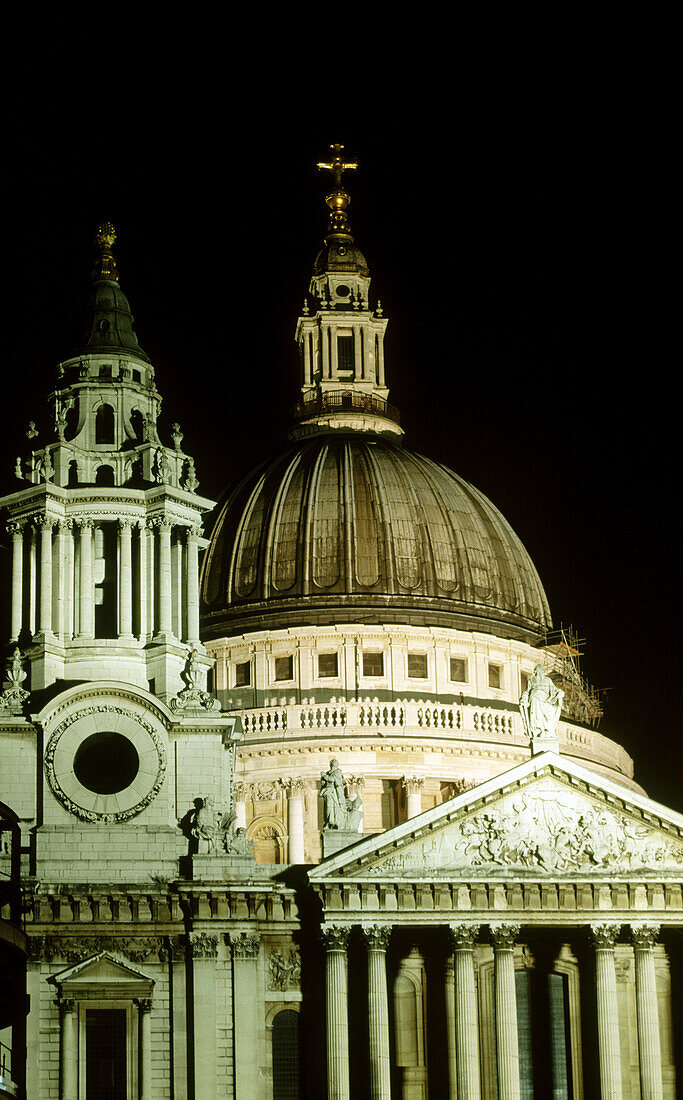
{"x":284,"y":969}
{"x":644,"y":935}
{"x":540,"y":706}
{"x":192,"y":697}
{"x":605,"y":935}
{"x":341,"y":812}
{"x":64,"y":742}
{"x":504,"y":935}
{"x":245,"y":946}
{"x":335,"y":936}
{"x":377,"y":936}
{"x":544,"y":828}
{"x":13,"y":695}
{"x":463,"y":936}
{"x":203,"y":945}
{"x":75,"y":949}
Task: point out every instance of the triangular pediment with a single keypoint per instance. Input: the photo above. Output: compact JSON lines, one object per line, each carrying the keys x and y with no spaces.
{"x":547,"y":816}
{"x":102,"y":969}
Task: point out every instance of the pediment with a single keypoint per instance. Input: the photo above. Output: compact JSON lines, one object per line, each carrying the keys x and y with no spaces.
{"x":545,"y":817}
{"x":100,"y":970}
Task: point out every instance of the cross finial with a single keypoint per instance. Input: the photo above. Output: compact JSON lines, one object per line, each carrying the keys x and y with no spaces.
{"x":338,"y":165}
{"x":338,"y":199}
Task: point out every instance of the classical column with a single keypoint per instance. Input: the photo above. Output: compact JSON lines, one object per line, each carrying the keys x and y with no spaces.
{"x":143,"y":579}
{"x":649,"y":1047}
{"x":45,"y":621}
{"x":62,"y":624}
{"x":239,"y":795}
{"x":245,"y":953}
{"x":164,"y":525}
{"x":449,"y":995}
{"x":125,"y":579}
{"x":325,"y":339}
{"x":17,"y":532}
{"x":85,"y":586}
{"x":604,"y":938}
{"x":204,"y":950}
{"x":192,"y":584}
{"x":380,"y":359}
{"x":69,"y":1050}
{"x":412,"y":785}
{"x":295,"y":819}
{"x":32,"y":581}
{"x":336,"y":938}
{"x":503,"y":936}
{"x":144,"y":1006}
{"x":466,"y":1018}
{"x":358,"y":355}
{"x":377,"y":938}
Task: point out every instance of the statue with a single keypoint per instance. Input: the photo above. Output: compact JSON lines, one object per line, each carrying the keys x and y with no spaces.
{"x":190,"y":482}
{"x":14,"y":695}
{"x":207,"y":827}
{"x":341,"y":812}
{"x":540,"y":706}
{"x":193,"y":696}
{"x":176,"y":436}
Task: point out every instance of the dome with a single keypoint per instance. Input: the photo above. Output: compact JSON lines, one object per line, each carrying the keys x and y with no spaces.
{"x":354,"y":528}
{"x":340,"y":255}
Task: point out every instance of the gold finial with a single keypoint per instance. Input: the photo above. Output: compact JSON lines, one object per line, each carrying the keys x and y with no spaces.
{"x":338,"y":200}
{"x":105,"y":265}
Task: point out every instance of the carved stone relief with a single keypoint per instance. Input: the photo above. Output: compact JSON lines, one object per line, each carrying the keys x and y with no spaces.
{"x":284,"y":969}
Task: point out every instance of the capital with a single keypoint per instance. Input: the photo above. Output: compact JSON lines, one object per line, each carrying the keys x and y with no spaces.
{"x":644,"y":935}
{"x":144,"y":1004}
{"x":463,"y":936}
{"x":504,"y":935}
{"x":377,"y":936}
{"x":203,"y":946}
{"x":85,"y":523}
{"x":413,"y":784}
{"x":605,"y":935}
{"x":335,"y":936}
{"x":245,"y":946}
{"x":16,"y":528}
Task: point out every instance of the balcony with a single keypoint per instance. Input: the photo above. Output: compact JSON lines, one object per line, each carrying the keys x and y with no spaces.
{"x":335,"y":401}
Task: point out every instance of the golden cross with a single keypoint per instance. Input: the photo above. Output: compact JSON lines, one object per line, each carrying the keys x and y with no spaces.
{"x":338,"y":164}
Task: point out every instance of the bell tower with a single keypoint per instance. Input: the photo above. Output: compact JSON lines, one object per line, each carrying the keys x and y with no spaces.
{"x":105,"y":518}
{"x":340,"y":337}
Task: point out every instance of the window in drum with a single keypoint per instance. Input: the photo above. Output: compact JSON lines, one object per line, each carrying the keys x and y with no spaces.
{"x":495,"y":676}
{"x":459,"y":670}
{"x":417,"y":666}
{"x":328,"y":664}
{"x":243,"y":674}
{"x":373,"y":663}
{"x":284,"y":668}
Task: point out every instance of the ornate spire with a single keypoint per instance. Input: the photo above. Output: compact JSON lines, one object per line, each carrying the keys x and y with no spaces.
{"x":105,"y":265}
{"x":338,"y":199}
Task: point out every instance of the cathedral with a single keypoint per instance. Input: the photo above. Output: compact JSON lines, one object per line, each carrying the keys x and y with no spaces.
{"x":301,"y":794}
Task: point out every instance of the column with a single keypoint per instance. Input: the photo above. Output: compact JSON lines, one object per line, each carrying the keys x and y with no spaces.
{"x":144,"y":1006}
{"x":649,"y":1047}
{"x":192,"y":584}
{"x":336,"y":938}
{"x":177,"y":584}
{"x":32,"y":582}
{"x":63,"y":622}
{"x":449,"y":995}
{"x":45,"y":621}
{"x":125,"y":579}
{"x":69,"y":1051}
{"x":604,"y":937}
{"x":295,"y":819}
{"x":204,"y":951}
{"x":239,"y":797}
{"x":143,"y":581}
{"x":325,"y":339}
{"x":380,"y":359}
{"x":358,"y":356}
{"x":85,"y":586}
{"x":466,"y":1015}
{"x":246,"y":1016}
{"x":308,"y":373}
{"x":377,"y":938}
{"x":17,"y":532}
{"x":412,"y":785}
{"x":504,"y":936}
{"x":164,"y":525}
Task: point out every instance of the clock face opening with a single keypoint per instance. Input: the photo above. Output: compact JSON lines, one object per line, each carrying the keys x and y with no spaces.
{"x":106,"y":763}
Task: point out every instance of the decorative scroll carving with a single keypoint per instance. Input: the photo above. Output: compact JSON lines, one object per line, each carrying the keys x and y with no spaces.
{"x":245,"y":946}
{"x":284,"y":969}
{"x":605,"y":935}
{"x":377,"y":936}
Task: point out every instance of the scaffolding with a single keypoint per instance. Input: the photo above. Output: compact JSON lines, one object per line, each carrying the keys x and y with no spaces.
{"x":582,"y":702}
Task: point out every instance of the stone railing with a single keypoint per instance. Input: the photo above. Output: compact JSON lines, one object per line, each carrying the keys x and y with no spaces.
{"x":419,"y":719}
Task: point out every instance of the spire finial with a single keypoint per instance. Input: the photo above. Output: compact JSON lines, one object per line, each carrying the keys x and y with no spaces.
{"x":338,"y":199}
{"x":105,"y":265}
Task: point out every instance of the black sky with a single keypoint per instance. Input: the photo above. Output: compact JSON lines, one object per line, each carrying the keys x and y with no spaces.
{"x":522,"y":246}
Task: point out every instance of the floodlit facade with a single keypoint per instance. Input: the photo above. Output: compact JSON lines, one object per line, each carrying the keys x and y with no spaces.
{"x":317,"y":805}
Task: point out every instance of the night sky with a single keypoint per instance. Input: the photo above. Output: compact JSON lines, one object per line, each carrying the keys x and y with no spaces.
{"x":522,"y":253}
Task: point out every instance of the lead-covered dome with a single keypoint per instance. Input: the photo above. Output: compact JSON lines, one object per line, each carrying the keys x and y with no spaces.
{"x":354,"y":528}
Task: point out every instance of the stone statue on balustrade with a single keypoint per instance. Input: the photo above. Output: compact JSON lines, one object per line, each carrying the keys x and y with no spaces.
{"x":540,"y":706}
{"x":343,"y":816}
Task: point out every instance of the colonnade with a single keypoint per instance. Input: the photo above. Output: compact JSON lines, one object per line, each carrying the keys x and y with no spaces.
{"x":462,"y":1016}
{"x":320,"y":353}
{"x":55,"y":572}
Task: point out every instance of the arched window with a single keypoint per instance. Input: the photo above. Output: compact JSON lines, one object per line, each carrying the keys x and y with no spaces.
{"x":286,"y":1055}
{"x":104,"y":424}
{"x":104,"y":476}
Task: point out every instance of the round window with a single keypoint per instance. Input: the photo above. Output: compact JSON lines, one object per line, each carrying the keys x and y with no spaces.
{"x":343,"y":291}
{"x":106,"y":763}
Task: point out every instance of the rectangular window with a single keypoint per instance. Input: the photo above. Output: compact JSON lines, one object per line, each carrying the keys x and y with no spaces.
{"x":373,"y":664}
{"x":495,"y":676}
{"x":243,"y":674}
{"x":459,"y":670}
{"x":328,"y":664}
{"x":417,"y":666}
{"x":105,"y":1053}
{"x":524,"y":677}
{"x":284,"y":668}
{"x":345,"y":354}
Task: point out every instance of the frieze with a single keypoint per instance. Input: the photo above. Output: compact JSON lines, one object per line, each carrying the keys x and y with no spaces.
{"x":75,"y":949}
